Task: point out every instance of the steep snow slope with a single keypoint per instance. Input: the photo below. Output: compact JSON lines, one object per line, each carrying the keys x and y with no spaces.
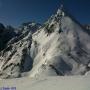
{"x":48,"y":83}
{"x":62,"y":47}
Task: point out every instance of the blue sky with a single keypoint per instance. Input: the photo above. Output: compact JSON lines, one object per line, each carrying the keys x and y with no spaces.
{"x":14,"y":12}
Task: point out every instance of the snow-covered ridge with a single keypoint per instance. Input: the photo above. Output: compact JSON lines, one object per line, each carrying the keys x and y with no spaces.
{"x":15,"y":58}
{"x":59,"y":47}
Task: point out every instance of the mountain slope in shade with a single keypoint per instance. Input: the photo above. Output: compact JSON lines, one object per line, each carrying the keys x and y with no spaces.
{"x":6,"y":33}
{"x":60,"y":47}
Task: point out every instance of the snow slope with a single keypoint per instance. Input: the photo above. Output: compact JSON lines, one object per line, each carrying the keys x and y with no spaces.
{"x":49,"y":83}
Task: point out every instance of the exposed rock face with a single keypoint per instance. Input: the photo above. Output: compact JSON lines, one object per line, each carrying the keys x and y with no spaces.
{"x":60,"y":47}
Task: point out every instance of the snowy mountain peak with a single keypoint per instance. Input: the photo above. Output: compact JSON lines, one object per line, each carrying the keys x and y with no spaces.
{"x":60,"y":11}
{"x":59,"y":47}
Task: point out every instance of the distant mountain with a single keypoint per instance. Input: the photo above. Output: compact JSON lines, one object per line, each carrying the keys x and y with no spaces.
{"x":64,"y":47}
{"x":6,"y":33}
{"x":61,"y":46}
